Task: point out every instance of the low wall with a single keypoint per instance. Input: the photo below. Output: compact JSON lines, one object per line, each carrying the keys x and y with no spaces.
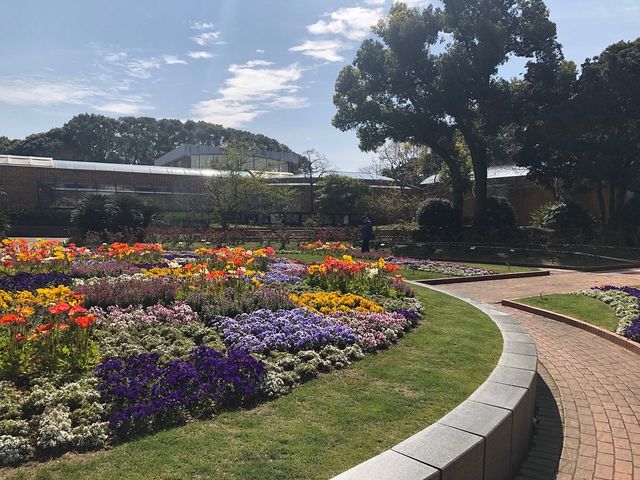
{"x":486,"y":436}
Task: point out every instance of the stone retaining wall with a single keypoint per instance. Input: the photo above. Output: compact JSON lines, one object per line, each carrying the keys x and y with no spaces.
{"x":486,"y":436}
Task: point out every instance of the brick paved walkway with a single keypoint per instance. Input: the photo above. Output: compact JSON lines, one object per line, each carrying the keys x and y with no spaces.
{"x":598,"y":383}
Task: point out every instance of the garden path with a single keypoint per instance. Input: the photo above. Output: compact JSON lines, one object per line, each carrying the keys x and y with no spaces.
{"x":596,"y":384}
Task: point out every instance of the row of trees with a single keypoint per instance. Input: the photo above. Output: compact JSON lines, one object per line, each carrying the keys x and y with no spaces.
{"x":131,"y":140}
{"x":431,"y":78}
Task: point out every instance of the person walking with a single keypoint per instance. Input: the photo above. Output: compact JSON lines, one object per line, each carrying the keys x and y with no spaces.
{"x":366,"y":233}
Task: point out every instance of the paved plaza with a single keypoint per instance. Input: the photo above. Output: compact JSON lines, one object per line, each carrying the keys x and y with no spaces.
{"x":595,"y":384}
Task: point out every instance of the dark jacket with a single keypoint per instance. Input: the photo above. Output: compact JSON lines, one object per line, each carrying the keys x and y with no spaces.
{"x":366,"y":230}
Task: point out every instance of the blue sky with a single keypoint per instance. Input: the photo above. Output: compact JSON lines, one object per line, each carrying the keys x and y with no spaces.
{"x":267,"y":66}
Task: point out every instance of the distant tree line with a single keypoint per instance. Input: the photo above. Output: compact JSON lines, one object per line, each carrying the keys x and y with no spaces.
{"x":130,"y":140}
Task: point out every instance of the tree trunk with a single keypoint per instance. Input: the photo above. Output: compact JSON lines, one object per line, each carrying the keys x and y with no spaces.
{"x":612,"y":204}
{"x":480,"y":188}
{"x":457,"y":187}
{"x":601,"y":205}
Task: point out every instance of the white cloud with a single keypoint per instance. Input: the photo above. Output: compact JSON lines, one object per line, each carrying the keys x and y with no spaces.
{"x":323,"y":49}
{"x":259,"y":50}
{"x":354,"y":23}
{"x":206,"y":38}
{"x":173,"y":60}
{"x":123,"y":108}
{"x":203,"y":26}
{"x":141,"y":67}
{"x":43,"y":92}
{"x":253,"y":89}
{"x":200,"y":54}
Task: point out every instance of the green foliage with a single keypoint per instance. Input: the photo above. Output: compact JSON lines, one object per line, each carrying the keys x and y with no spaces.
{"x":407,"y":85}
{"x":342,"y":196}
{"x":117,"y":213}
{"x":630,"y":215}
{"x":564,"y":217}
{"x":395,"y":206}
{"x":436,"y":213}
{"x":131,"y":140}
{"x":237,"y":194}
{"x":500,"y":214}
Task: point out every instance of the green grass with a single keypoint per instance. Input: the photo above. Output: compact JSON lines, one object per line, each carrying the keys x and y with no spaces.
{"x":323,"y":427}
{"x":583,"y":308}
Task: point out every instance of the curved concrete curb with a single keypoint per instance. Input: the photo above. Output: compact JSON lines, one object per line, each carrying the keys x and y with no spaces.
{"x":574,"y":322}
{"x":486,"y":436}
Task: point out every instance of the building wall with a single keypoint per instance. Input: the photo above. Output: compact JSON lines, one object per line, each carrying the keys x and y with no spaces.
{"x":525,"y":196}
{"x":24,"y":185}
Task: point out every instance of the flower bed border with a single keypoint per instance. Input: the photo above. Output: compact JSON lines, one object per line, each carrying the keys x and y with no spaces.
{"x":484,"y":278}
{"x":486,"y":436}
{"x":574,"y":322}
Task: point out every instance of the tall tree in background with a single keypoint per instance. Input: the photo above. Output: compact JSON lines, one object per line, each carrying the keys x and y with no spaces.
{"x":391,"y":90}
{"x":608,"y":103}
{"x":583,"y":129}
{"x":339,"y":195}
{"x":435,"y":72}
{"x":402,"y":162}
{"x":313,"y":167}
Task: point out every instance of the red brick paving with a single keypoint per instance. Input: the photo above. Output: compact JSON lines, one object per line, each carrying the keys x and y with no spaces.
{"x":598,"y":383}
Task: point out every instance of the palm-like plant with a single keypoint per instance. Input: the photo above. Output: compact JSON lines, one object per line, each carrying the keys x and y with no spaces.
{"x":91,"y":213}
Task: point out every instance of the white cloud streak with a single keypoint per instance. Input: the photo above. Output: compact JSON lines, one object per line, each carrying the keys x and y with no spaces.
{"x":253,"y":89}
{"x":200,"y":54}
{"x":173,"y":60}
{"x":323,"y":49}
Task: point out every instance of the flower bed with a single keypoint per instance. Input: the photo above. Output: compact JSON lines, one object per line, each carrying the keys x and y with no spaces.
{"x":625,"y":302}
{"x":100,"y":345}
{"x":444,"y":268}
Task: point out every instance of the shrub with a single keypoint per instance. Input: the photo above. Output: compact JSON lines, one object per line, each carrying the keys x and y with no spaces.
{"x":436,"y":213}
{"x":565,"y":218}
{"x":630,"y":215}
{"x":500,"y":214}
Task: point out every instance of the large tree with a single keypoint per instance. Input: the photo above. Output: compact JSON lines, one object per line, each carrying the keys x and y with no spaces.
{"x":584,"y":129}
{"x":313,"y":166}
{"x":434,"y":72}
{"x":608,"y":105}
{"x":405,"y":163}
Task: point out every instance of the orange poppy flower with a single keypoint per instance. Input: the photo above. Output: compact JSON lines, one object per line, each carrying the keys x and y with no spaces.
{"x":60,"y":307}
{"x":45,"y":327}
{"x":10,"y":318}
{"x":85,"y":321}
{"x":77,"y":309}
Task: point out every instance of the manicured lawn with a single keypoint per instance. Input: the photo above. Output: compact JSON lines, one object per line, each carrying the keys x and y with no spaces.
{"x":583,"y":308}
{"x":323,"y":427}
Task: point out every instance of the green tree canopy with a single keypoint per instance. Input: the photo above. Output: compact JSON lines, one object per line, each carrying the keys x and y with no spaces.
{"x":339,"y":195}
{"x":131,"y":140}
{"x":433,"y":72}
